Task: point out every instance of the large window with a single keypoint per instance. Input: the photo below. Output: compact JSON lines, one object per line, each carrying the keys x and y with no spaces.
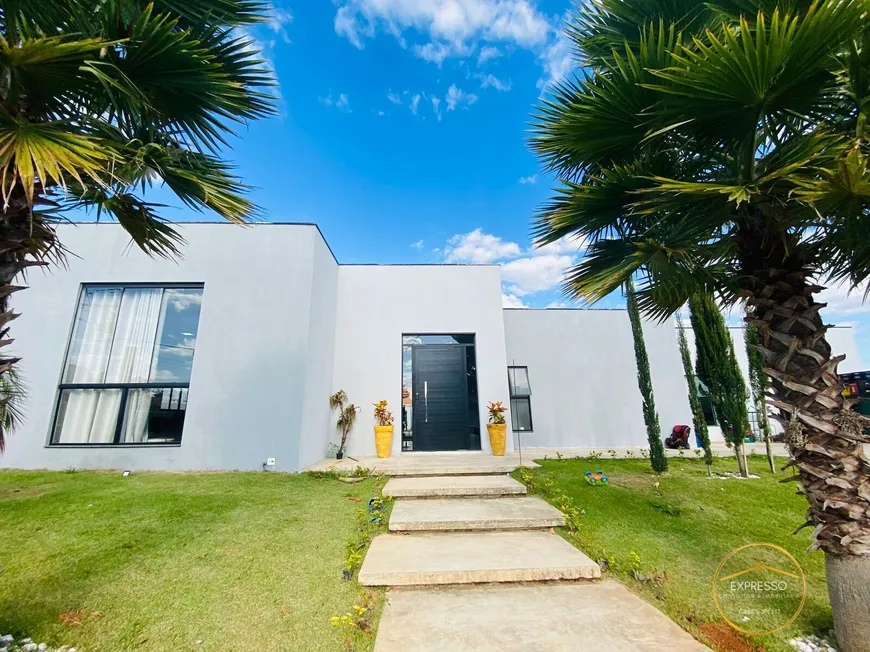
{"x":521,"y":398}
{"x":127,"y":370}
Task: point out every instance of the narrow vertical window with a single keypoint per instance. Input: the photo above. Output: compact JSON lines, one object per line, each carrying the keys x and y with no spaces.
{"x":128,"y":365}
{"x":521,"y":401}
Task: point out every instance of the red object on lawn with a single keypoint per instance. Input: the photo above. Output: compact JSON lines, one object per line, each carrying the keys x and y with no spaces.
{"x":679,"y":437}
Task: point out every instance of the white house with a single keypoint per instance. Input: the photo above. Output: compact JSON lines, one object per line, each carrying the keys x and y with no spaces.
{"x":227,"y":358}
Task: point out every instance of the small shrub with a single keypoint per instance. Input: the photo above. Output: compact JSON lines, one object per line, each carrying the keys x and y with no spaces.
{"x":496,"y":411}
{"x":382,"y":415}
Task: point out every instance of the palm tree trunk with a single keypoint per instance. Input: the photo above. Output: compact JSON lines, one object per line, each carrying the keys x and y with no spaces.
{"x":825,"y":438}
{"x":26,"y":240}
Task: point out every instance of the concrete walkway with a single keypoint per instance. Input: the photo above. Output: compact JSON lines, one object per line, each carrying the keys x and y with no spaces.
{"x":474,"y":565}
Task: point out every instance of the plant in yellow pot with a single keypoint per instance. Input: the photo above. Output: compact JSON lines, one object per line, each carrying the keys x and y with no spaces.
{"x":496,"y":427}
{"x":384,"y":429}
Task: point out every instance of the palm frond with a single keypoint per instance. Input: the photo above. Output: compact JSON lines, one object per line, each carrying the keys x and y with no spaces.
{"x":729,"y":81}
{"x":44,"y":74}
{"x":151,"y":233}
{"x":599,"y":27}
{"x":48,"y":152}
{"x":201,"y":181}
{"x":601,"y":119}
{"x":195,"y":80}
{"x":13,"y":397}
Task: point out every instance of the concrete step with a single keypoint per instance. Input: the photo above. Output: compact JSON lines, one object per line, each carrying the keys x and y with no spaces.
{"x":455,"y":485}
{"x":473,"y":557}
{"x":459,"y":468}
{"x":515,"y":513}
{"x":541,"y":616}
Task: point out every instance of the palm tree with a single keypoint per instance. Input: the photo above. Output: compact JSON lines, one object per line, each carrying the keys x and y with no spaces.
{"x":101,"y":98}
{"x":723,"y":147}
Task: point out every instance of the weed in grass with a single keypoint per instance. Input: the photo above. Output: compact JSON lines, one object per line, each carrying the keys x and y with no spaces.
{"x":665,"y":507}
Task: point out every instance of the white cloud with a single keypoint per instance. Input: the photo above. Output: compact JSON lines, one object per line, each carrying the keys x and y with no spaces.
{"x":395,"y":98}
{"x":491,"y":81}
{"x":417,"y":245}
{"x":524,"y":272}
{"x":182,"y":300}
{"x":569,"y":244}
{"x":381,"y":114}
{"x":456,"y":97}
{"x":341,"y":102}
{"x":555,"y":305}
{"x":278,"y":21}
{"x":487,"y":52}
{"x":479,"y":247}
{"x":452,"y":21}
{"x":436,"y":108}
{"x":557,"y":60}
{"x":347,"y":25}
{"x":414,"y":104}
{"x":843,"y":303}
{"x":451,"y":27}
{"x":433,"y":52}
{"x":511,"y":301}
{"x":532,"y":178}
{"x":536,"y":273}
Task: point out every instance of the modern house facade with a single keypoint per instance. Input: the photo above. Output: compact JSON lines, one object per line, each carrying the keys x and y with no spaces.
{"x":226,"y":358}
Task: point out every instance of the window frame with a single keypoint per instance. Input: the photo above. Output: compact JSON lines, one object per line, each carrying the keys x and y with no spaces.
{"x":527,"y":397}
{"x":514,"y":423}
{"x":124,"y":387}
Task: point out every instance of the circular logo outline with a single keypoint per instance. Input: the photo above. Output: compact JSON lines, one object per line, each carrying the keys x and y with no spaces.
{"x":803,"y":592}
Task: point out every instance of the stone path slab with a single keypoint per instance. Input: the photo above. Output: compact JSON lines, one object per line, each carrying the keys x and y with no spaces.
{"x":473,"y":557}
{"x":511,"y":513}
{"x":565,"y":617}
{"x":460,"y":485}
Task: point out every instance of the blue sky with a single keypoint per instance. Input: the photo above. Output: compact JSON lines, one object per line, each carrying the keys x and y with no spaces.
{"x":402,"y":134}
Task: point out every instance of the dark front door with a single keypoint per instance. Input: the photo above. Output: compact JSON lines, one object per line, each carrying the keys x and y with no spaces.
{"x":440,"y":403}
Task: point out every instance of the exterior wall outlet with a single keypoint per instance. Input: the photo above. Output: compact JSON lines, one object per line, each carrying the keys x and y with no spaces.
{"x":270,"y":461}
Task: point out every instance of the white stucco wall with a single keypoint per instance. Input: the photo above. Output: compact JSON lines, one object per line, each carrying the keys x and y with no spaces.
{"x":253,"y":351}
{"x":378,"y":304}
{"x":583,"y":376}
{"x":316,"y":417}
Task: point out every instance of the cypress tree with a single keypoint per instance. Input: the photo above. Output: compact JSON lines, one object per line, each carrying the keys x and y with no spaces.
{"x":698,"y":418}
{"x":758,"y":382}
{"x":717,"y":368}
{"x":657,"y":457}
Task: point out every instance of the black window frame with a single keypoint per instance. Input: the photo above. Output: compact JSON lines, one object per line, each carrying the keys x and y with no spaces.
{"x":527,"y":397}
{"x":124,"y":387}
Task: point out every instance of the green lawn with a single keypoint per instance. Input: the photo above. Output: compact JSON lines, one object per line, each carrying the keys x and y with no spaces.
{"x":160,"y":561}
{"x":715,"y":516}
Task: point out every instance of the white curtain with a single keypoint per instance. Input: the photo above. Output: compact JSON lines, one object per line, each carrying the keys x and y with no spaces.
{"x":117,"y":345}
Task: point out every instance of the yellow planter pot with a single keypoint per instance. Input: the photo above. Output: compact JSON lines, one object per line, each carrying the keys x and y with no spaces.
{"x":383,"y":440}
{"x":497,"y":437}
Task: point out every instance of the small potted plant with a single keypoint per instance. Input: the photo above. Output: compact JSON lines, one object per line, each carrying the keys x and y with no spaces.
{"x":383,"y":429}
{"x":496,"y":427}
{"x":346,"y":418}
